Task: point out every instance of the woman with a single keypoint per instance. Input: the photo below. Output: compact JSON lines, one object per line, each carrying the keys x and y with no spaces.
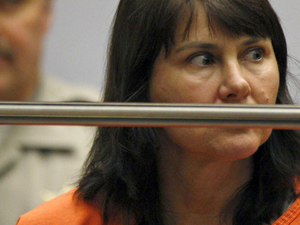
{"x":196,"y":51}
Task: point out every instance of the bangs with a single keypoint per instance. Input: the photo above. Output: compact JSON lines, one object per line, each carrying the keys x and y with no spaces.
{"x":237,"y":17}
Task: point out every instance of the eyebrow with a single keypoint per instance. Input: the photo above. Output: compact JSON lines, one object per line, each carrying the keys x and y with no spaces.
{"x":211,"y":46}
{"x":252,"y":41}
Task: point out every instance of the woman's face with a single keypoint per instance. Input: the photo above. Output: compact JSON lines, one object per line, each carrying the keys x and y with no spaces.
{"x":221,"y":69}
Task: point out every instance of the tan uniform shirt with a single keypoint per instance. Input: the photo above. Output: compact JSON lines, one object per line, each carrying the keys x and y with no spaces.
{"x":38,"y":163}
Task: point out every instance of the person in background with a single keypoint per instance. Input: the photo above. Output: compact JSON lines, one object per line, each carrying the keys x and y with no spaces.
{"x":37,"y":163}
{"x":195,"y":51}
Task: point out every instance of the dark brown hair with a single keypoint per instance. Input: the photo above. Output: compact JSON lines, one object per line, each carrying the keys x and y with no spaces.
{"x":120,"y":174}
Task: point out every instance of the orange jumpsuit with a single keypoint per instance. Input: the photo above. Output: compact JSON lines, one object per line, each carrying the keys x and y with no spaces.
{"x":67,"y":209}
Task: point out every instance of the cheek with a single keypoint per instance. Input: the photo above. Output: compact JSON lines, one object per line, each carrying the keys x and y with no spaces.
{"x":27,"y":44}
{"x":26,"y":31}
{"x":270,"y":95}
{"x":158,"y":88}
{"x":178,"y":87}
{"x":166,"y":89}
{"x":266,"y":86}
{"x":272,"y":88}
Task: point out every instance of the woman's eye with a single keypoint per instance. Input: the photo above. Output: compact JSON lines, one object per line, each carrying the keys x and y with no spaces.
{"x":202,"y":60}
{"x":255,"y":55}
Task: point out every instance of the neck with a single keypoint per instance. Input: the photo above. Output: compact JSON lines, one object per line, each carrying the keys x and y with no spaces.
{"x":195,"y":191}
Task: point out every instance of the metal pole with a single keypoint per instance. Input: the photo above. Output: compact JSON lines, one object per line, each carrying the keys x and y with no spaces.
{"x":150,"y":115}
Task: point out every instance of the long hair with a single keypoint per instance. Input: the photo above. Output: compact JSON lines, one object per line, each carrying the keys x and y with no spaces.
{"x":120,"y":175}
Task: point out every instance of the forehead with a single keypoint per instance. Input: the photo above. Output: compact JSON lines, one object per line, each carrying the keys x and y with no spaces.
{"x":234,"y":21}
{"x":196,"y":25}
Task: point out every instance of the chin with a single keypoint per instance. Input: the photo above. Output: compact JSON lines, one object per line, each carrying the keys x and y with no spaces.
{"x":217,"y":144}
{"x":244,"y":144}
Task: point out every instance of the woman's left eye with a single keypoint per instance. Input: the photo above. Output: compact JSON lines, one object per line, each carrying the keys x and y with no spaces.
{"x":255,"y":55}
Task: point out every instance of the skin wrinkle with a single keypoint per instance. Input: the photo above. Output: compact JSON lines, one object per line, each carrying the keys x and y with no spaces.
{"x":216,"y":161}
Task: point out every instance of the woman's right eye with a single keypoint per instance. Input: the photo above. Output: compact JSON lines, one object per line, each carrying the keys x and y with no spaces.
{"x":202,"y":60}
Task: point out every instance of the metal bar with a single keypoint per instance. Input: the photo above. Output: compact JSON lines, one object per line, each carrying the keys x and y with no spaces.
{"x":150,"y":115}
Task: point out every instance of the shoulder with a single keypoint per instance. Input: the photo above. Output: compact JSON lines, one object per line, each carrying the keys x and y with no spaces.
{"x":54,"y":89}
{"x":291,"y":216}
{"x":65,"y":209}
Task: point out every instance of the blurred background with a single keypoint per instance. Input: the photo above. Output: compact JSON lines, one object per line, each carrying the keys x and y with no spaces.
{"x":77,"y":44}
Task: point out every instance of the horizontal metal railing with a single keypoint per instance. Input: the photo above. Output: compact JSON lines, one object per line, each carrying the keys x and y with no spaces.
{"x":151,"y":115}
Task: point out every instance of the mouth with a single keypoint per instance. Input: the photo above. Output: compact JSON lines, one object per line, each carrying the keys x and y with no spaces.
{"x":6,"y":53}
{"x":6,"y":56}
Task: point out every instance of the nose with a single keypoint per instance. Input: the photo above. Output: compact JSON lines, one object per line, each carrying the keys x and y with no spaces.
{"x":234,"y":87}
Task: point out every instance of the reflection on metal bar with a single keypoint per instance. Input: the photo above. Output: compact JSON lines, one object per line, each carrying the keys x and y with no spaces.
{"x":151,"y":115}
